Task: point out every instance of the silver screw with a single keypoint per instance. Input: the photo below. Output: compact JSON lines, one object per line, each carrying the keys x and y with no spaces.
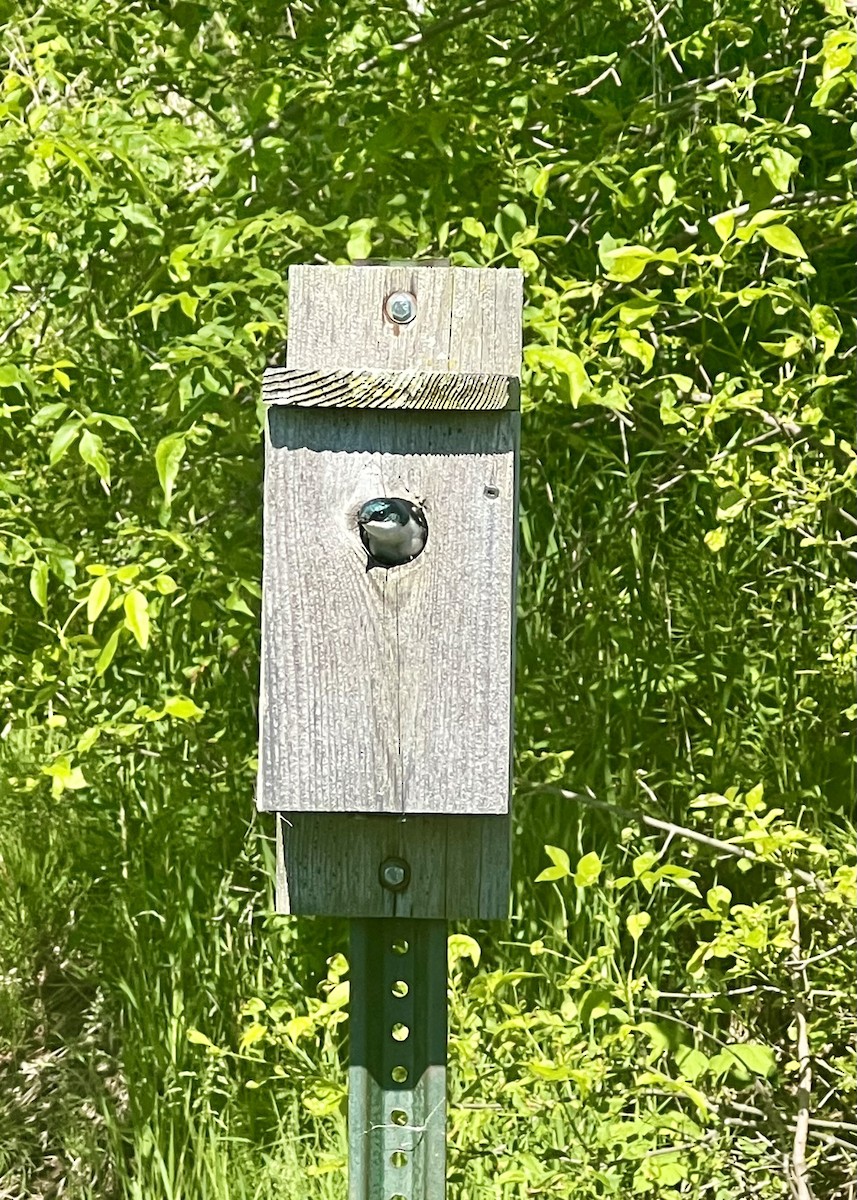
{"x":401,"y":307}
{"x":394,"y":874}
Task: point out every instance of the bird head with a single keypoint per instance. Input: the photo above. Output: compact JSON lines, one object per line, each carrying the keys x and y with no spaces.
{"x":386,"y":510}
{"x":393,"y":531}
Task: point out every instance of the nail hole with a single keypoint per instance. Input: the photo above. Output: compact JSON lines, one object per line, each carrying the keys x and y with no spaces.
{"x":399,"y":1117}
{"x":400,"y":947}
{"x":399,"y":988}
{"x":398,"y":1158}
{"x":399,"y":1074}
{"x":400,"y":1032}
{"x":491,"y":491}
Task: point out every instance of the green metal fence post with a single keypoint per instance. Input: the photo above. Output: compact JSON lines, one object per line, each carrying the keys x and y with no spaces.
{"x":397,"y":1069}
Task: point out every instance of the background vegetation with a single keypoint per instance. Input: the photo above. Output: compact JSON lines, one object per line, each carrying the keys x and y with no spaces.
{"x":667,"y":1013}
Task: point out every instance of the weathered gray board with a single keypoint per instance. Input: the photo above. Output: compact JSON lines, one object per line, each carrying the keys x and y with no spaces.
{"x":327,"y":865}
{"x":389,"y":692}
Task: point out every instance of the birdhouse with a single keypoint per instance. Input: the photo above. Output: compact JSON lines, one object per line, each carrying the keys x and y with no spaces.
{"x":390,"y":517}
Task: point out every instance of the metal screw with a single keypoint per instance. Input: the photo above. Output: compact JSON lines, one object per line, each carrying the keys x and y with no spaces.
{"x":401,"y":307}
{"x":395,"y":874}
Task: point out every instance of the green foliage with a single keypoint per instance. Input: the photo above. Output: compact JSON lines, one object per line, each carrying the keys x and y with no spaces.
{"x":676,"y":189}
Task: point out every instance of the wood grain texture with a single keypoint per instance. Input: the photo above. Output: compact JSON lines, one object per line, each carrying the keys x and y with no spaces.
{"x":387,"y":690}
{"x":433,"y":390}
{"x":328,"y":865}
{"x":468,"y":319}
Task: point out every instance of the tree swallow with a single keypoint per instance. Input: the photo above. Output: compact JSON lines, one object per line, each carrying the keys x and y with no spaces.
{"x":393,"y":531}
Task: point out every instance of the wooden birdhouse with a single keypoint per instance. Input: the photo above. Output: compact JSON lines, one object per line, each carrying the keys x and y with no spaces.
{"x":391,"y":467}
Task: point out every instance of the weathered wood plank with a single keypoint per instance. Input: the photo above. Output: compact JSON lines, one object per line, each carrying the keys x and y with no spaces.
{"x":361,"y":710}
{"x":468,"y":319}
{"x":389,"y":389}
{"x":328,"y":864}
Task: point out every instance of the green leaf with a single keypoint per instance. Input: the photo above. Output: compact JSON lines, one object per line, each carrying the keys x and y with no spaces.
{"x":461,"y":945}
{"x":779,"y":166}
{"x":667,"y":187}
{"x":753,"y":799}
{"x":252,"y":1034}
{"x":826,"y":327}
{"x":9,"y":375}
{"x":660,"y":1036}
{"x":588,"y":870}
{"x":137,"y":617}
{"x":90,"y":450}
{"x":565,"y":363}
{"x":723,"y":225}
{"x":64,"y":776}
{"x":99,"y":594}
{"x":540,"y":184}
{"x":323,"y":1099}
{"x":472,"y":227}
{"x":692,"y":1063}
{"x":757,"y":1058}
{"x":88,"y":739}
{"x":781,"y":238}
{"x":188,"y":304}
{"x":561,"y":865}
{"x":624,"y":263}
{"x":636,"y":923}
{"x":715,"y":539}
{"x":39,"y":583}
{"x":594,"y":1004}
{"x":168,"y":455}
{"x":359,"y":244}
{"x":634,"y":345}
{"x":62,"y":439}
{"x":48,"y":413}
{"x":511,"y":219}
{"x":115,"y":422}
{"x":674,"y":1087}
{"x":182,"y":708}
{"x":165,"y":584}
{"x":108,"y":652}
{"x":198,"y":1039}
{"x":719,"y":899}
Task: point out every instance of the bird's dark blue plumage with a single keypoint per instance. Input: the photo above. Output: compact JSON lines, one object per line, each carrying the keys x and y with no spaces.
{"x":394,"y":531}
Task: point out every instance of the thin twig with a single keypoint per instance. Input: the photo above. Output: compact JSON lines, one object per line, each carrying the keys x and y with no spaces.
{"x":741,"y":991}
{"x":676,"y":831}
{"x":25,"y":316}
{"x":807,"y":962}
{"x":471,"y":13}
{"x":658,"y":25}
{"x":799,"y":1173}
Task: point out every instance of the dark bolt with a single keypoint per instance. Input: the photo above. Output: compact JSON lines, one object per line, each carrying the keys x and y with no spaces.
{"x":395,"y":874}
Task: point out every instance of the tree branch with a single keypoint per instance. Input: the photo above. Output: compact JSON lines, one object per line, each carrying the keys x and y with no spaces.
{"x":471,"y":12}
{"x":677,"y":831}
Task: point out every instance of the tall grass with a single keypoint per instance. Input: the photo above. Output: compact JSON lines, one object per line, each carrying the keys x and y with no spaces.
{"x":140,"y":908}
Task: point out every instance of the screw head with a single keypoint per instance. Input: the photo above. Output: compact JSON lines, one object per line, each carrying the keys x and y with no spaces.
{"x":395,"y":874}
{"x":401,"y":307}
